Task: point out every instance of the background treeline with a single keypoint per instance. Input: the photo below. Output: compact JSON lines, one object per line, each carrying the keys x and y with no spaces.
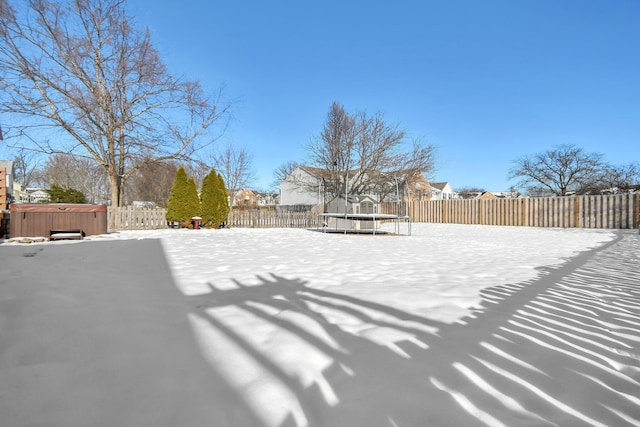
{"x":152,"y":183}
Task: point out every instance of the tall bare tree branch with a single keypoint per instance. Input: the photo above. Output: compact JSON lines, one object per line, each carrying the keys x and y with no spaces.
{"x":363,"y":154}
{"x":234,"y":164}
{"x":563,"y":169}
{"x":82,"y":174}
{"x":81,"y":69}
{"x":282,"y":172}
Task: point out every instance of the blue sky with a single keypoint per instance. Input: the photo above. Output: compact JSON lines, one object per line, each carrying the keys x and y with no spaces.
{"x":484,"y":81}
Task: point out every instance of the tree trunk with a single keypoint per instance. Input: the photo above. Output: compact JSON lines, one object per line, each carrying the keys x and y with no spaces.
{"x":114,"y":182}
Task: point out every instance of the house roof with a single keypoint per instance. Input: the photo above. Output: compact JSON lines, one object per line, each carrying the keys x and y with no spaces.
{"x":357,"y":198}
{"x":439,"y":185}
{"x":328,"y":174}
{"x":353,"y":198}
{"x":244,"y":190}
{"x":322,"y":173}
{"x":314,"y":171}
{"x":317,"y":172}
{"x":486,"y":195}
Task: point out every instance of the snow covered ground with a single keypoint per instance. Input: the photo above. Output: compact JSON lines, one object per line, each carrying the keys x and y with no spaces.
{"x":437,"y":272}
{"x":288,"y":316}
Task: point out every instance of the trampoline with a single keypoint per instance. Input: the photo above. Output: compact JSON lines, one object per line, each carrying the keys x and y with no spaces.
{"x":363,"y":223}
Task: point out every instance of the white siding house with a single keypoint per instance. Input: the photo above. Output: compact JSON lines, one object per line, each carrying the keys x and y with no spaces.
{"x":37,"y":195}
{"x":442,"y":191}
{"x":301,"y":187}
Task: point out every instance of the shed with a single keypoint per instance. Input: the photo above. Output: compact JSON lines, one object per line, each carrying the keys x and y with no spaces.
{"x":45,"y":219}
{"x":355,"y":206}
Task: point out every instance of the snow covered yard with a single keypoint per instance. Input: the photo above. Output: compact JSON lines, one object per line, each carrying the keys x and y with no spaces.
{"x":453,"y":325}
{"x":437,"y":272}
{"x":330,"y":329}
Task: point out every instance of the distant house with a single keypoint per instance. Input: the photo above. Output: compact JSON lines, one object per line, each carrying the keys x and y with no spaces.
{"x":267,"y":199}
{"x":416,"y":189}
{"x":6,"y":183}
{"x":486,"y":195}
{"x":442,"y":191}
{"x":305,"y":187}
{"x":19,"y":196}
{"x":37,"y":195}
{"x":245,"y":199}
{"x":507,"y":194}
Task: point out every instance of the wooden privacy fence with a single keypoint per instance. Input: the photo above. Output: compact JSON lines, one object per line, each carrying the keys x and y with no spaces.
{"x":606,"y":211}
{"x":136,"y":218}
{"x":621,"y":211}
{"x":272,"y":219}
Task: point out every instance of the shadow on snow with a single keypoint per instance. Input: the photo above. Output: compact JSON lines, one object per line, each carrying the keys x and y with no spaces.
{"x":558,"y":350}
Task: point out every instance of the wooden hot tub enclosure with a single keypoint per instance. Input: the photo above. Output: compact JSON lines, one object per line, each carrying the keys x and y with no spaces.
{"x":39,"y":219}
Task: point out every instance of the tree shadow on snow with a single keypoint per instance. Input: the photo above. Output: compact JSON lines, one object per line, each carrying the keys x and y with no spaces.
{"x":557,"y":350}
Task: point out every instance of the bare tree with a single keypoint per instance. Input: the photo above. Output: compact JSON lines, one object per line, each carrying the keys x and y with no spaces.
{"x":620,"y":178}
{"x":197,"y":170}
{"x":282,"y":172}
{"x":363,"y":154}
{"x":563,"y":169}
{"x":82,"y":69}
{"x":153,"y":182}
{"x":234,"y":164}
{"x":27,"y":169}
{"x":470,"y":192}
{"x":84,"y":175}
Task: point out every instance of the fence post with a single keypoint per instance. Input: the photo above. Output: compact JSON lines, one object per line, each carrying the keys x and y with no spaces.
{"x":635,"y":210}
{"x":631,"y":220}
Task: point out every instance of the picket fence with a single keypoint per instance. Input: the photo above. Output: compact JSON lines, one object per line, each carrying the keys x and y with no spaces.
{"x":143,"y":218}
{"x":273,"y":219}
{"x":136,"y":218}
{"x":619,"y":211}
